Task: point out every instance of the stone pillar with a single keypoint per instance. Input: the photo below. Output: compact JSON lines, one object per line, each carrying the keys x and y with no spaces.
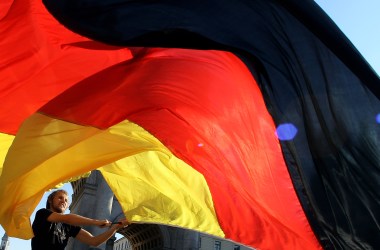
{"x":92,"y":198}
{"x":103,"y":205}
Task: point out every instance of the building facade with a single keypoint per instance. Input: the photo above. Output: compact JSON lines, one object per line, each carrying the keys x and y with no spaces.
{"x":4,"y":242}
{"x":93,"y":198}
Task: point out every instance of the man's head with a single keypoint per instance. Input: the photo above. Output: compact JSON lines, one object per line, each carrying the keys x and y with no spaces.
{"x":57,"y":201}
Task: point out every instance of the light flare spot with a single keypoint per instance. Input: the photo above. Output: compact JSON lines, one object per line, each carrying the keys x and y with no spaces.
{"x":286,"y":132}
{"x":378,"y":118}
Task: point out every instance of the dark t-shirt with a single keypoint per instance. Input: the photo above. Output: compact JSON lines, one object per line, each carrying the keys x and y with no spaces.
{"x":51,"y":235}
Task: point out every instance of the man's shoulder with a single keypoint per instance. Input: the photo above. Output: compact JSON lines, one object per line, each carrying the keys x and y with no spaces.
{"x":41,"y":220}
{"x":43,"y":212}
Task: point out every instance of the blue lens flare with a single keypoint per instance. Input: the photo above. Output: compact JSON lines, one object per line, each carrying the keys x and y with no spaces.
{"x":286,"y":132}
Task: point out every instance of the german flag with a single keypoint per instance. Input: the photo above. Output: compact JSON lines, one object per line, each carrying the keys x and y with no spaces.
{"x":250,"y":120}
{"x":39,"y":59}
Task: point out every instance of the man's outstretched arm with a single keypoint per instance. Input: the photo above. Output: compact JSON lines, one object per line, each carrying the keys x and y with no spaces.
{"x":77,"y":220}
{"x":87,"y":238}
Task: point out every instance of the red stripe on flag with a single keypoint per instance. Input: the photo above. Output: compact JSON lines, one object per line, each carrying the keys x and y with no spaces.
{"x":205,"y":107}
{"x":39,"y":59}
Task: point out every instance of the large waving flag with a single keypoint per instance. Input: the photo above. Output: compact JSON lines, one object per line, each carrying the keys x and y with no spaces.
{"x":278,"y":152}
{"x":40,"y":59}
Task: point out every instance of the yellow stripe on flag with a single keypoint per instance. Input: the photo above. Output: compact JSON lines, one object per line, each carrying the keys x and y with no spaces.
{"x":5,"y":142}
{"x":157,"y":187}
{"x":149,"y":181}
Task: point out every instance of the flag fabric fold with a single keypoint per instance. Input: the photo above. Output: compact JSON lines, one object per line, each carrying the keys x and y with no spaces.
{"x":188,"y":101}
{"x":311,"y":76}
{"x":39,"y":59}
{"x":5,"y":143}
{"x":281,"y":132}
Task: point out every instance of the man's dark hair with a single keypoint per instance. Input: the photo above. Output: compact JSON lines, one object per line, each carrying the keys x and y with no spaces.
{"x":52,"y":195}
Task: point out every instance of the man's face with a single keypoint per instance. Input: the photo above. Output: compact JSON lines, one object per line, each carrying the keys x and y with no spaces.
{"x":59,"y":203}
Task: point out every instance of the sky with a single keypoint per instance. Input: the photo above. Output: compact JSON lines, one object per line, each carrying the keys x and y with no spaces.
{"x":359,"y":20}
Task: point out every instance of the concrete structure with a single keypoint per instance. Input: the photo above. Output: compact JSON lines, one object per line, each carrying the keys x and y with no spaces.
{"x":4,"y":242}
{"x":93,"y":198}
{"x":177,"y":240}
{"x":122,"y":244}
